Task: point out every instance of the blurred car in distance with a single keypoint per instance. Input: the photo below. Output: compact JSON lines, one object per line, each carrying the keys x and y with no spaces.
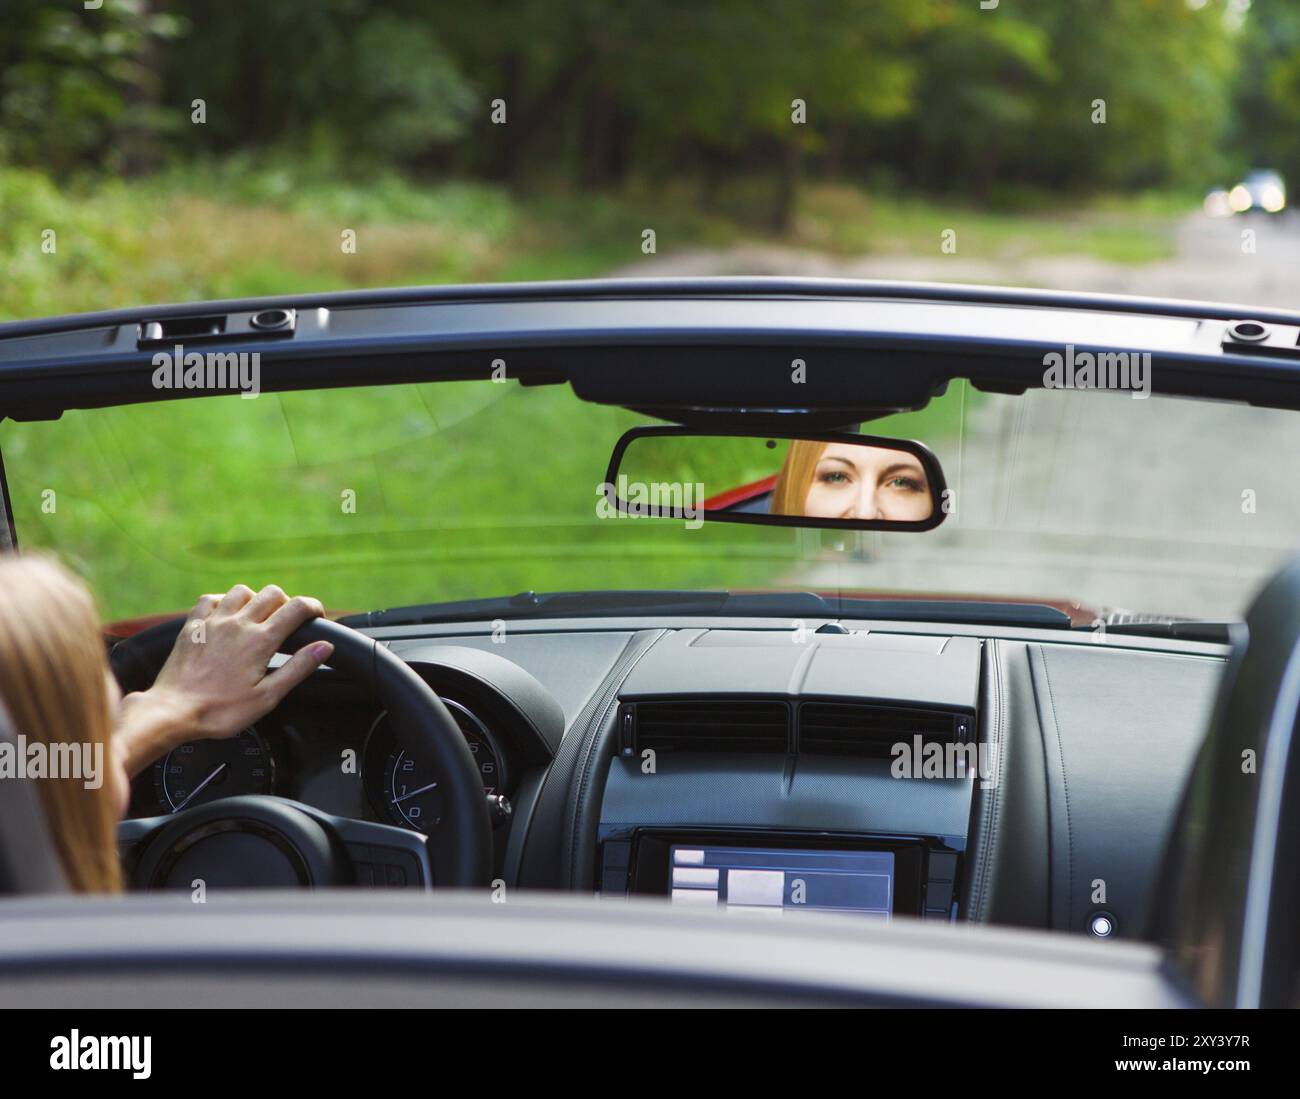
{"x":1260,"y":190}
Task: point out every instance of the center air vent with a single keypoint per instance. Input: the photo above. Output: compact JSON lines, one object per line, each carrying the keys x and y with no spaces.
{"x":866,"y":729}
{"x":705,"y":725}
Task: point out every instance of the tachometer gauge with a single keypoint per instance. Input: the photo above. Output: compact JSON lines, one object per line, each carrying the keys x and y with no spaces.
{"x":409,"y":793}
{"x":204,"y":770}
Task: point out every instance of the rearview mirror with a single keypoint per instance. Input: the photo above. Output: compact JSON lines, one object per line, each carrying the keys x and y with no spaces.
{"x":855,"y":482}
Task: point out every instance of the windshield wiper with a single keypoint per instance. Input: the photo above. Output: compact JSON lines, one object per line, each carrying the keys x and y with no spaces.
{"x":793,"y":605}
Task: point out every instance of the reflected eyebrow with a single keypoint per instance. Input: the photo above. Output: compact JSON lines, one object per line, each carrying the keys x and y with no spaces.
{"x":837,"y":458}
{"x":899,"y":467}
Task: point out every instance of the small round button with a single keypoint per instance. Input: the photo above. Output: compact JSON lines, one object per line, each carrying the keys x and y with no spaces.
{"x":1102,"y":925}
{"x":270,"y":318}
{"x":1248,"y":331}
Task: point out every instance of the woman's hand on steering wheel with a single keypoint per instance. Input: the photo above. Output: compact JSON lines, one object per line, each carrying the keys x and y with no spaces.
{"x":215,"y":682}
{"x":209,"y":679}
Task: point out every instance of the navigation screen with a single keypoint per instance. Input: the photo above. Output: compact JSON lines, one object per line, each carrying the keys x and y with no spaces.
{"x":751,"y":879}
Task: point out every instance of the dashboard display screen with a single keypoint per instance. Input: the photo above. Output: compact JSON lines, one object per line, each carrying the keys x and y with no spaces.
{"x":753,"y":879}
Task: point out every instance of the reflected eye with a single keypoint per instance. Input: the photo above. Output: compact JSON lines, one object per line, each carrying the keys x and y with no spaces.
{"x":833,"y":477}
{"x":905,"y":484}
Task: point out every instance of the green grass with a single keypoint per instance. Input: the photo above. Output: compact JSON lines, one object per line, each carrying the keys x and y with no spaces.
{"x":460,"y":489}
{"x":235,"y":229}
{"x":364,"y":497}
{"x":230,"y":230}
{"x":847,"y":221}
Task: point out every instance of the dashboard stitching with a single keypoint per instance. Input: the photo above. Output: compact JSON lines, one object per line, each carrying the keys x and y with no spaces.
{"x":799,"y":673}
{"x":589,"y":743}
{"x":990,"y":813}
{"x":977,"y":869}
{"x":986,"y":803}
{"x":1065,"y":782}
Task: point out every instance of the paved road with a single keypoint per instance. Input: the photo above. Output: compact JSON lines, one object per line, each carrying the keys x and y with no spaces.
{"x":1209,"y":265}
{"x":1116,"y":503}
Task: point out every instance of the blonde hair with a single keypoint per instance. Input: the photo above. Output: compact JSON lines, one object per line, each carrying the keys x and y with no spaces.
{"x":790,"y":493}
{"x":53,"y":670}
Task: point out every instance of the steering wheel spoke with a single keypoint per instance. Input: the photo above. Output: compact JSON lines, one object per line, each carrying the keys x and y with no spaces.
{"x":263,"y":841}
{"x":384,"y":855}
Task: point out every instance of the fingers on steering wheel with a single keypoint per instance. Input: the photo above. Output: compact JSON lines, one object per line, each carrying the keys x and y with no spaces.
{"x":292,"y":614}
{"x":295,"y":670}
{"x":235,"y":599}
{"x":204,"y":607}
{"x":265,"y":603}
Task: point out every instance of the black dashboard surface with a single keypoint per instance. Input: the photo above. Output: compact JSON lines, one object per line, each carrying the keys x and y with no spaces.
{"x":936,"y":670}
{"x":1120,"y":732}
{"x":1093,"y":743}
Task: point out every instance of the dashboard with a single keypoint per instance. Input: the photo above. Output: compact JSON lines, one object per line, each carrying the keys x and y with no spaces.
{"x":717,"y":763}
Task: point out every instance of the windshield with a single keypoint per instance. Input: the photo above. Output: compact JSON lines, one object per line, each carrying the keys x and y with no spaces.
{"x":378,"y":497}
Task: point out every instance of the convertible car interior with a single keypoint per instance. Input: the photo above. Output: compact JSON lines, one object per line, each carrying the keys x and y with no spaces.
{"x":822,"y":791}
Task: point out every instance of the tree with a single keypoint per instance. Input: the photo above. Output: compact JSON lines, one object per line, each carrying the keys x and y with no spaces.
{"x":75,"y":87}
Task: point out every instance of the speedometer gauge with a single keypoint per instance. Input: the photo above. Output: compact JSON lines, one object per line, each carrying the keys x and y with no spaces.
{"x":204,"y":770}
{"x":408,"y":792}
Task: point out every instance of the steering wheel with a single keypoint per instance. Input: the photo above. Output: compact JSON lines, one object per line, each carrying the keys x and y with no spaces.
{"x":260,"y":840}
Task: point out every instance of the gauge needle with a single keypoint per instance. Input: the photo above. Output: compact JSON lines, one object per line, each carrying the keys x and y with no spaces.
{"x":412,"y":794}
{"x":198,"y":789}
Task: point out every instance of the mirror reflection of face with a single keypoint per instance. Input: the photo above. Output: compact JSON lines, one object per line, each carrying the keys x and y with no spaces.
{"x":868,"y":483}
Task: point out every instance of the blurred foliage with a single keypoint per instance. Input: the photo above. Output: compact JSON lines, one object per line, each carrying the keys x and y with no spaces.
{"x":941,"y":95}
{"x":234,"y":229}
{"x":80,"y":88}
{"x":1266,"y":121}
{"x":246,"y":227}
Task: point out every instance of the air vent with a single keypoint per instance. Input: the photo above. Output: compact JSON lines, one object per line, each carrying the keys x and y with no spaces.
{"x":705,"y":725}
{"x":865,"y":729}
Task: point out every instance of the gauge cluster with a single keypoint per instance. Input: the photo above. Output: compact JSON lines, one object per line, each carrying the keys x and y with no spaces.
{"x":330,"y":745}
{"x":345,"y":755}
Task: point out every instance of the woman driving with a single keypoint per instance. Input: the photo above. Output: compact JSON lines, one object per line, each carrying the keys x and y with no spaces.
{"x":56,"y":684}
{"x":851,"y":481}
